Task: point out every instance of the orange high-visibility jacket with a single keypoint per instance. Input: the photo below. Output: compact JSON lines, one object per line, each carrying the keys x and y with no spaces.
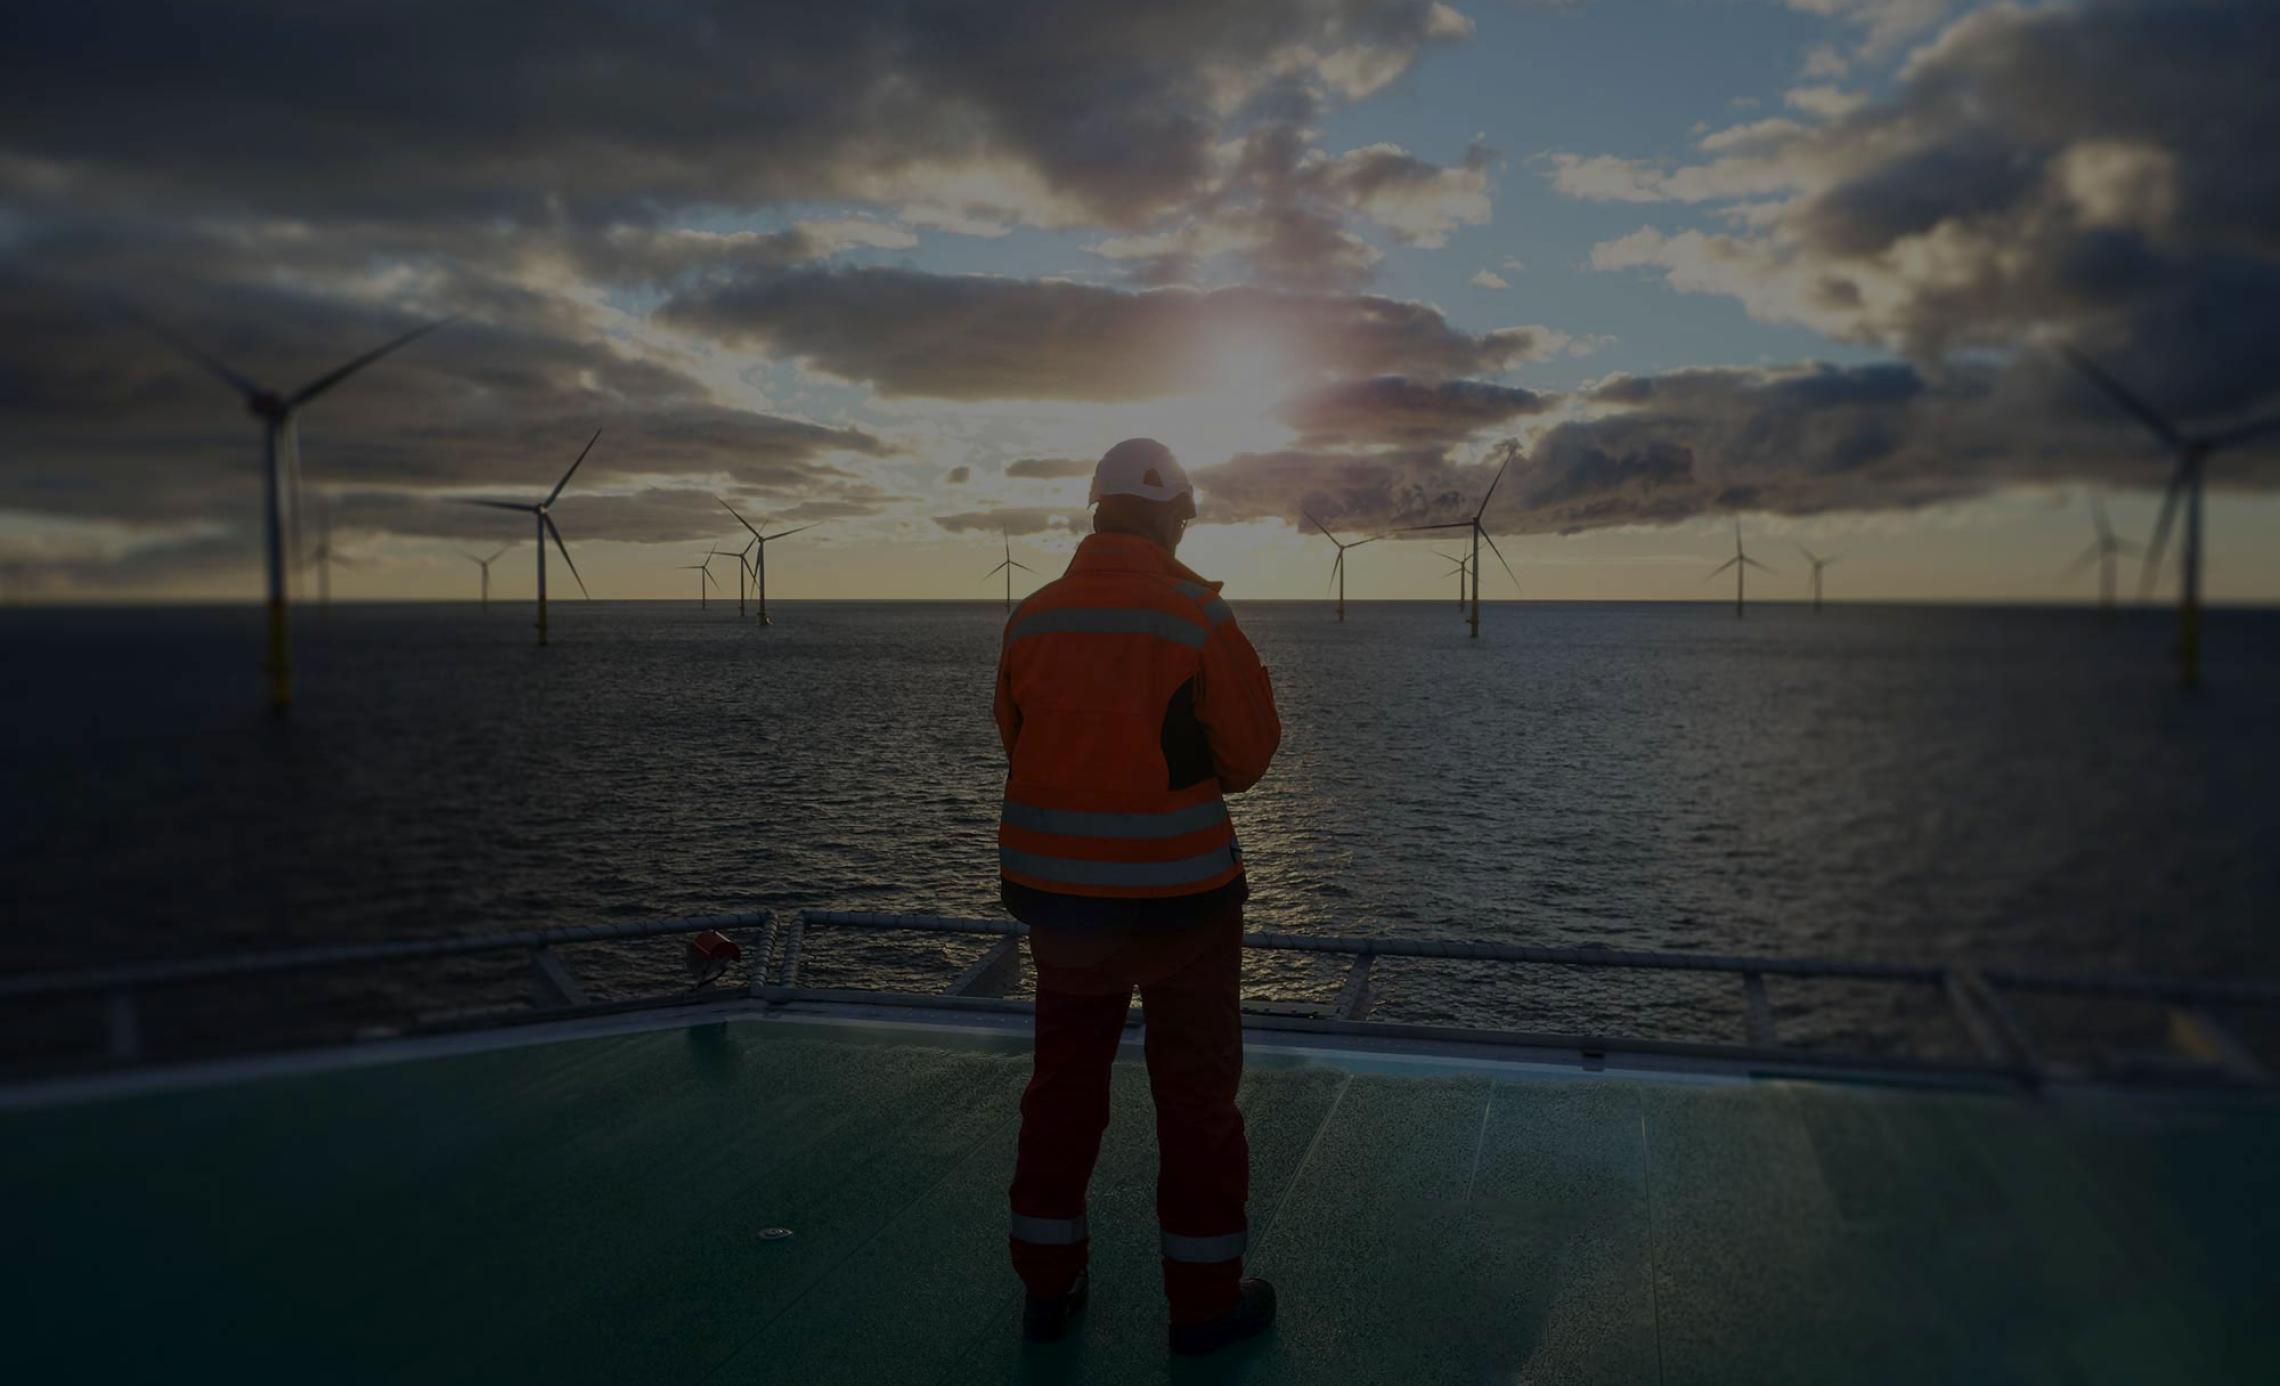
{"x":1128,"y":701}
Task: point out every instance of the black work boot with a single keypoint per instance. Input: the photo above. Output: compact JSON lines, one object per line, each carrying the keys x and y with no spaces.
{"x":1045,"y":1320}
{"x":1252,"y":1313}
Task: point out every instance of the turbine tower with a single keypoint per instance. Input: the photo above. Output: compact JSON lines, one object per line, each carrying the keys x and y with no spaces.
{"x":2193,"y":451}
{"x":542,"y":513}
{"x":1480,"y":534}
{"x":485,"y":565}
{"x":1738,"y":563}
{"x":1818,"y":563}
{"x":760,"y":543}
{"x":1338,"y":564}
{"x":279,"y":412}
{"x":2103,"y":551}
{"x":1008,"y":566}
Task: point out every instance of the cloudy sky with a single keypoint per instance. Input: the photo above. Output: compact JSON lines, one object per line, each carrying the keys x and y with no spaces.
{"x":903,"y":269}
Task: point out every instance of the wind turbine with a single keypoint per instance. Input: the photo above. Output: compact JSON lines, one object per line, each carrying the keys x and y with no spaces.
{"x":1008,"y":566}
{"x":1479,"y":533}
{"x":2192,"y":451}
{"x":542,"y":513}
{"x":760,"y":543}
{"x":2103,"y":551}
{"x":1338,"y":564}
{"x":322,"y":556}
{"x":1458,"y":566}
{"x":279,"y":412}
{"x":485,"y":565}
{"x":742,"y":563}
{"x":1738,"y":562}
{"x":1818,"y":564}
{"x":704,"y":572}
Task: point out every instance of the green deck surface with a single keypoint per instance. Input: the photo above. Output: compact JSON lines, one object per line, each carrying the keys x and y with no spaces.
{"x":589,"y":1211}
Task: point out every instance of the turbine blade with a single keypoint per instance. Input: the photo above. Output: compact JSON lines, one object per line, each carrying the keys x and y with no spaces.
{"x":1025,"y":568}
{"x":496,"y":505}
{"x":1319,"y":525}
{"x":331,"y":378}
{"x":739,"y":519}
{"x":995,"y":571}
{"x":1720,"y":568}
{"x":1755,"y":564}
{"x":2242,"y":434}
{"x":2160,"y":537}
{"x":1809,"y":558}
{"x":1410,"y":529}
{"x":2144,"y":413}
{"x":495,"y":557}
{"x":211,"y":363}
{"x":1491,"y":539}
{"x":788,"y":533}
{"x":2087,"y":557}
{"x":1493,"y":481}
{"x":564,"y":550}
{"x":1335,"y":565}
{"x":291,"y":442}
{"x":565,"y":481}
{"x":2098,"y":517}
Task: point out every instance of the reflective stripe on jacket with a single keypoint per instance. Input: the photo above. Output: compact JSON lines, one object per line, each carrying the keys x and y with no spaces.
{"x":1128,"y":701}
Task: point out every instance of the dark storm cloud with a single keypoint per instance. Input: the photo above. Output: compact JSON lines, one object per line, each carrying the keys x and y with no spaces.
{"x":1396,"y":410}
{"x":1049,"y":468}
{"x":976,"y":337}
{"x":105,"y":420}
{"x":601,"y":112}
{"x":2100,"y":172}
{"x":1015,"y":520}
{"x":1800,"y":440}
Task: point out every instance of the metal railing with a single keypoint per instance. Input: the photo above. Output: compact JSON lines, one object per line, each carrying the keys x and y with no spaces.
{"x":1979,"y":1002}
{"x":554,"y":986}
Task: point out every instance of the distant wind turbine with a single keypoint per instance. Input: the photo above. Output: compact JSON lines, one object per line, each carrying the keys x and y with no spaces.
{"x":1479,"y":534}
{"x":1007,"y":567}
{"x":485,"y":565}
{"x":2192,"y":452}
{"x":1458,"y":566}
{"x":322,"y":556}
{"x":2103,"y":551}
{"x":1338,"y":564}
{"x":704,"y":574}
{"x":1818,"y":563}
{"x":279,"y":413}
{"x":1738,"y":562}
{"x":542,"y":512}
{"x":760,"y":543}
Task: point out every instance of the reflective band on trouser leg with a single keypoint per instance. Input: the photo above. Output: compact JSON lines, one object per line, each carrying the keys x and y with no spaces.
{"x":1047,"y":1231}
{"x":1179,"y":822}
{"x":1205,"y":1250}
{"x":1078,"y":872}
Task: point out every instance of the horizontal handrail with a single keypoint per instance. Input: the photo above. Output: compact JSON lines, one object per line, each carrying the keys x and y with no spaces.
{"x":229,"y":965}
{"x":2155,"y":988}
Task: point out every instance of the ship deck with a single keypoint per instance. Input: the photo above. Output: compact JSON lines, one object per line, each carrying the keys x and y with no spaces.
{"x":591,"y":1208}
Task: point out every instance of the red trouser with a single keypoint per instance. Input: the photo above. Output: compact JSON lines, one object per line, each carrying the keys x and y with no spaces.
{"x":1189,"y":987}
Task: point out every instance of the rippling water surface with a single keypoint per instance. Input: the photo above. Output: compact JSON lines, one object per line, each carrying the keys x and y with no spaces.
{"x":1920,"y":784}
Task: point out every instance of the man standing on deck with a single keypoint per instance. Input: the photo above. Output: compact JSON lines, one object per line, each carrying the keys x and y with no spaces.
{"x":1129,"y":702}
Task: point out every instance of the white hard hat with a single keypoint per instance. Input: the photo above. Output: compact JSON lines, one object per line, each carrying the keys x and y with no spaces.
{"x":1140,"y":467}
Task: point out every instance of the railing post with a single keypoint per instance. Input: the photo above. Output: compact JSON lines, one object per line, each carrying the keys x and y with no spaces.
{"x":1991,"y":1024}
{"x":994,"y":973}
{"x":2202,"y":1036}
{"x":1760,"y":1009}
{"x":552,"y":984}
{"x":1354,"y":997}
{"x":792,"y":942}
